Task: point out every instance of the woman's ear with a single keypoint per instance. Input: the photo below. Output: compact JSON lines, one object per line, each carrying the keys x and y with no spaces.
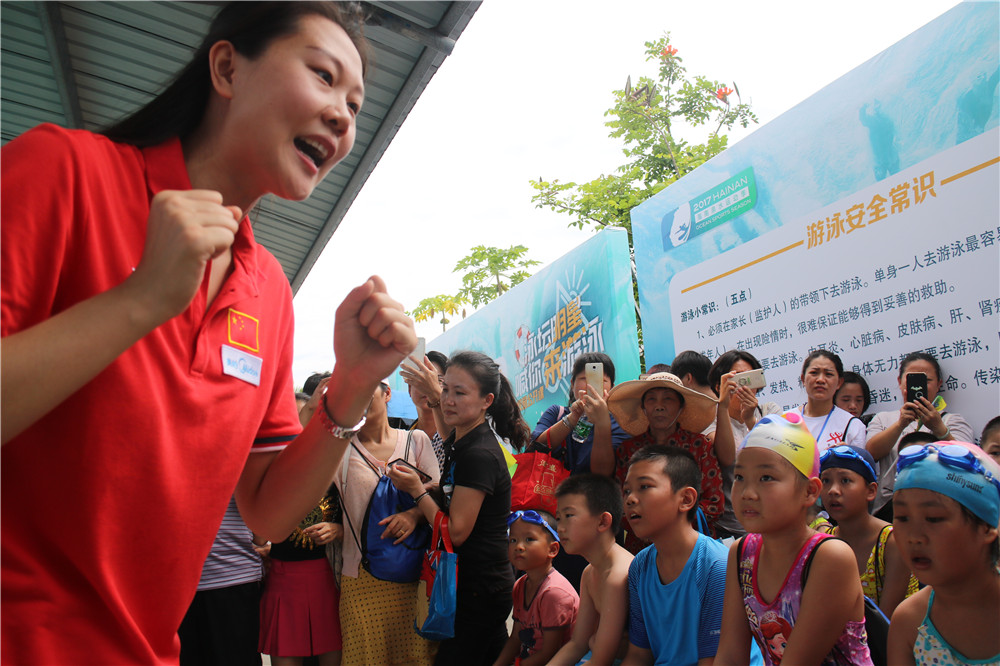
{"x":221,"y":65}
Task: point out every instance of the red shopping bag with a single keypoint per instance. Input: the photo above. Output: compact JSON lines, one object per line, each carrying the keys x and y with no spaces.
{"x":533,"y":485}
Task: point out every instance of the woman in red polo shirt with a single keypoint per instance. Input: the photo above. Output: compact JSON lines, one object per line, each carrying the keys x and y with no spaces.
{"x":147,"y":337}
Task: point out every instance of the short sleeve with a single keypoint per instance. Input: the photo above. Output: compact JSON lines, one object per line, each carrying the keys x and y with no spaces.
{"x":857,"y":434}
{"x":637,"y":635}
{"x":710,"y":622}
{"x":558,"y":608}
{"x":477,"y":469}
{"x":546,"y":421}
{"x":959,"y":427}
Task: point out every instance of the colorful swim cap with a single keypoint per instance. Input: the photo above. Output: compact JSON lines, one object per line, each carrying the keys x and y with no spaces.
{"x":787,"y":435}
{"x":957,"y":470}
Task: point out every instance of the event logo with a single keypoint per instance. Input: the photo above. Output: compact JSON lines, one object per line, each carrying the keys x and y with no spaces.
{"x":546,"y":354}
{"x":722,"y":203}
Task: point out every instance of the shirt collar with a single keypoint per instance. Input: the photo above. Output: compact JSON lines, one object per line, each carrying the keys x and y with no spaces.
{"x":166,"y":170}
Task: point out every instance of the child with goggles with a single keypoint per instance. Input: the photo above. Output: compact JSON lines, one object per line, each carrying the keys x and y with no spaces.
{"x":947,"y":509}
{"x":545,"y":603}
{"x":850,"y":483}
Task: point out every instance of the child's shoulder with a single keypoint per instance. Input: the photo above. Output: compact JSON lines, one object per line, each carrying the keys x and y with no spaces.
{"x":620,"y":557}
{"x":558,"y":590}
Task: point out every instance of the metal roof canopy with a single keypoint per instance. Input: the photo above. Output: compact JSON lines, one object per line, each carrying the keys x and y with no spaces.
{"x":86,"y":64}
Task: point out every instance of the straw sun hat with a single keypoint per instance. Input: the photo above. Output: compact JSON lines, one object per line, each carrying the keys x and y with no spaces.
{"x":625,"y":403}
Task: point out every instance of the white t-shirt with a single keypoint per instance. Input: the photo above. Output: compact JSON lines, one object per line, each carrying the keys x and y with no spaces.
{"x":829,"y":429}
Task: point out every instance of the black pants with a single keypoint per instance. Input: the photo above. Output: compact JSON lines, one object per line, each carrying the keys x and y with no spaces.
{"x":222,"y":627}
{"x":480,"y":628}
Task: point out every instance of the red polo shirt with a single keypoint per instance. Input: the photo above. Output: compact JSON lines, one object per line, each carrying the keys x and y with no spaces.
{"x":110,"y":503}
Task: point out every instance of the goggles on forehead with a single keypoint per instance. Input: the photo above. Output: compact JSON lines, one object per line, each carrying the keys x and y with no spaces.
{"x":532,"y":517}
{"x":844,"y":452}
{"x":951,"y":455}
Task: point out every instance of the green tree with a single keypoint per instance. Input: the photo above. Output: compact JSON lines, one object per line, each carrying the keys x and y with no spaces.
{"x":445,"y":304}
{"x":647,"y":117}
{"x":491,"y":271}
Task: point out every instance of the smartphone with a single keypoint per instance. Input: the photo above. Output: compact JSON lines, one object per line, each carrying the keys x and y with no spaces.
{"x":916,"y":386}
{"x":595,"y":376}
{"x":424,"y":476}
{"x":421,"y":350}
{"x":753,"y":379}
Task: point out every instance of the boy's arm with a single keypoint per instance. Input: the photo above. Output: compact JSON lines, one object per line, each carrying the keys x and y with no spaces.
{"x":614,"y":616}
{"x":903,"y":628}
{"x":511,"y":647}
{"x":832,"y":597}
{"x":586,"y":625}
{"x":552,"y":639}
{"x":734,"y":642}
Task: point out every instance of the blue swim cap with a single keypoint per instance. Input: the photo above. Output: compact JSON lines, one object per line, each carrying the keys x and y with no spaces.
{"x":957,"y":470}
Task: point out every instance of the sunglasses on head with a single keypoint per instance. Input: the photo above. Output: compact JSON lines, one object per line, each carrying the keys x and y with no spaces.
{"x":951,"y":455}
{"x":532,"y":517}
{"x":845,"y":452}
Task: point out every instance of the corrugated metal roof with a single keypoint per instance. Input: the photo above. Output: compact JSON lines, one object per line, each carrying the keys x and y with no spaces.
{"x":86,"y":64}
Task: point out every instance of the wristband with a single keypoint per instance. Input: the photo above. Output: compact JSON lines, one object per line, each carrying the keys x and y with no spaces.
{"x":416,"y":500}
{"x":435,"y":404}
{"x":338,"y":431}
{"x":565,"y":421}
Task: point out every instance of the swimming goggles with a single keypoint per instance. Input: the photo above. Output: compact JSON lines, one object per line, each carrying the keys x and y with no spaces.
{"x":845,"y":452}
{"x":532,"y":517}
{"x":951,"y":455}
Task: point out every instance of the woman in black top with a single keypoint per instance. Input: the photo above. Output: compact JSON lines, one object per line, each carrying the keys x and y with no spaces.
{"x":475,"y":486}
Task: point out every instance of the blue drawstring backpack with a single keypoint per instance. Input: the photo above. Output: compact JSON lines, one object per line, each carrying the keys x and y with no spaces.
{"x":382,"y":558}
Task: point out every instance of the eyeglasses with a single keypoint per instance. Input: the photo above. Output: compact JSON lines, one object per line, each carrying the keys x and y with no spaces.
{"x":845,"y":452}
{"x":532,"y":517}
{"x":951,"y":455}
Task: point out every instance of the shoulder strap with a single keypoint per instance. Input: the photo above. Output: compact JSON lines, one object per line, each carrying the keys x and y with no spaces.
{"x":812,"y":554}
{"x":880,"y":556}
{"x":843,"y":437}
{"x":406,"y":452}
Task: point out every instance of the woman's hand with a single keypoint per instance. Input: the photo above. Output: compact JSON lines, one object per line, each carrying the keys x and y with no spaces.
{"x":371,"y":336}
{"x":594,"y":405}
{"x":186,"y":229}
{"x":422,"y":376}
{"x":908,"y":413}
{"x":930,"y":417}
{"x":399,"y":526}
{"x":406,"y":479}
{"x":323,"y":533}
{"x":745,"y":403}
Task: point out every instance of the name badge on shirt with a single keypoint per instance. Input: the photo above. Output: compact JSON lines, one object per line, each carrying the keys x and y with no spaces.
{"x":241,"y":365}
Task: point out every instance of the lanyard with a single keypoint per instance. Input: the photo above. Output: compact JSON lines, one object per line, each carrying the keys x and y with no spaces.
{"x":802,"y":410}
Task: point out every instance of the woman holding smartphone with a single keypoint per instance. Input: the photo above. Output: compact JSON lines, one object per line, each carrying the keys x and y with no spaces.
{"x":475,"y":493}
{"x":377,"y":615}
{"x":887,"y":428}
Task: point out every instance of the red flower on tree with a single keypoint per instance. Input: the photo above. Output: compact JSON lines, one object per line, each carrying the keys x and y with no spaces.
{"x":723,"y":93}
{"x":669,"y":51}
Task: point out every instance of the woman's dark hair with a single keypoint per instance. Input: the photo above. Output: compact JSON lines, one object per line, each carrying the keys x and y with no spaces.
{"x":725,"y":363}
{"x":855,"y":378}
{"x":579,"y":365}
{"x":506,"y":414}
{"x":919,"y":356}
{"x":698,"y":365}
{"x":828,"y":355}
{"x":251,"y":27}
{"x":438,"y":359}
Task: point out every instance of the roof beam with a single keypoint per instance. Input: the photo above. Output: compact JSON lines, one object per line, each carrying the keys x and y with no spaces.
{"x":453,"y":23}
{"x":55,"y":39}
